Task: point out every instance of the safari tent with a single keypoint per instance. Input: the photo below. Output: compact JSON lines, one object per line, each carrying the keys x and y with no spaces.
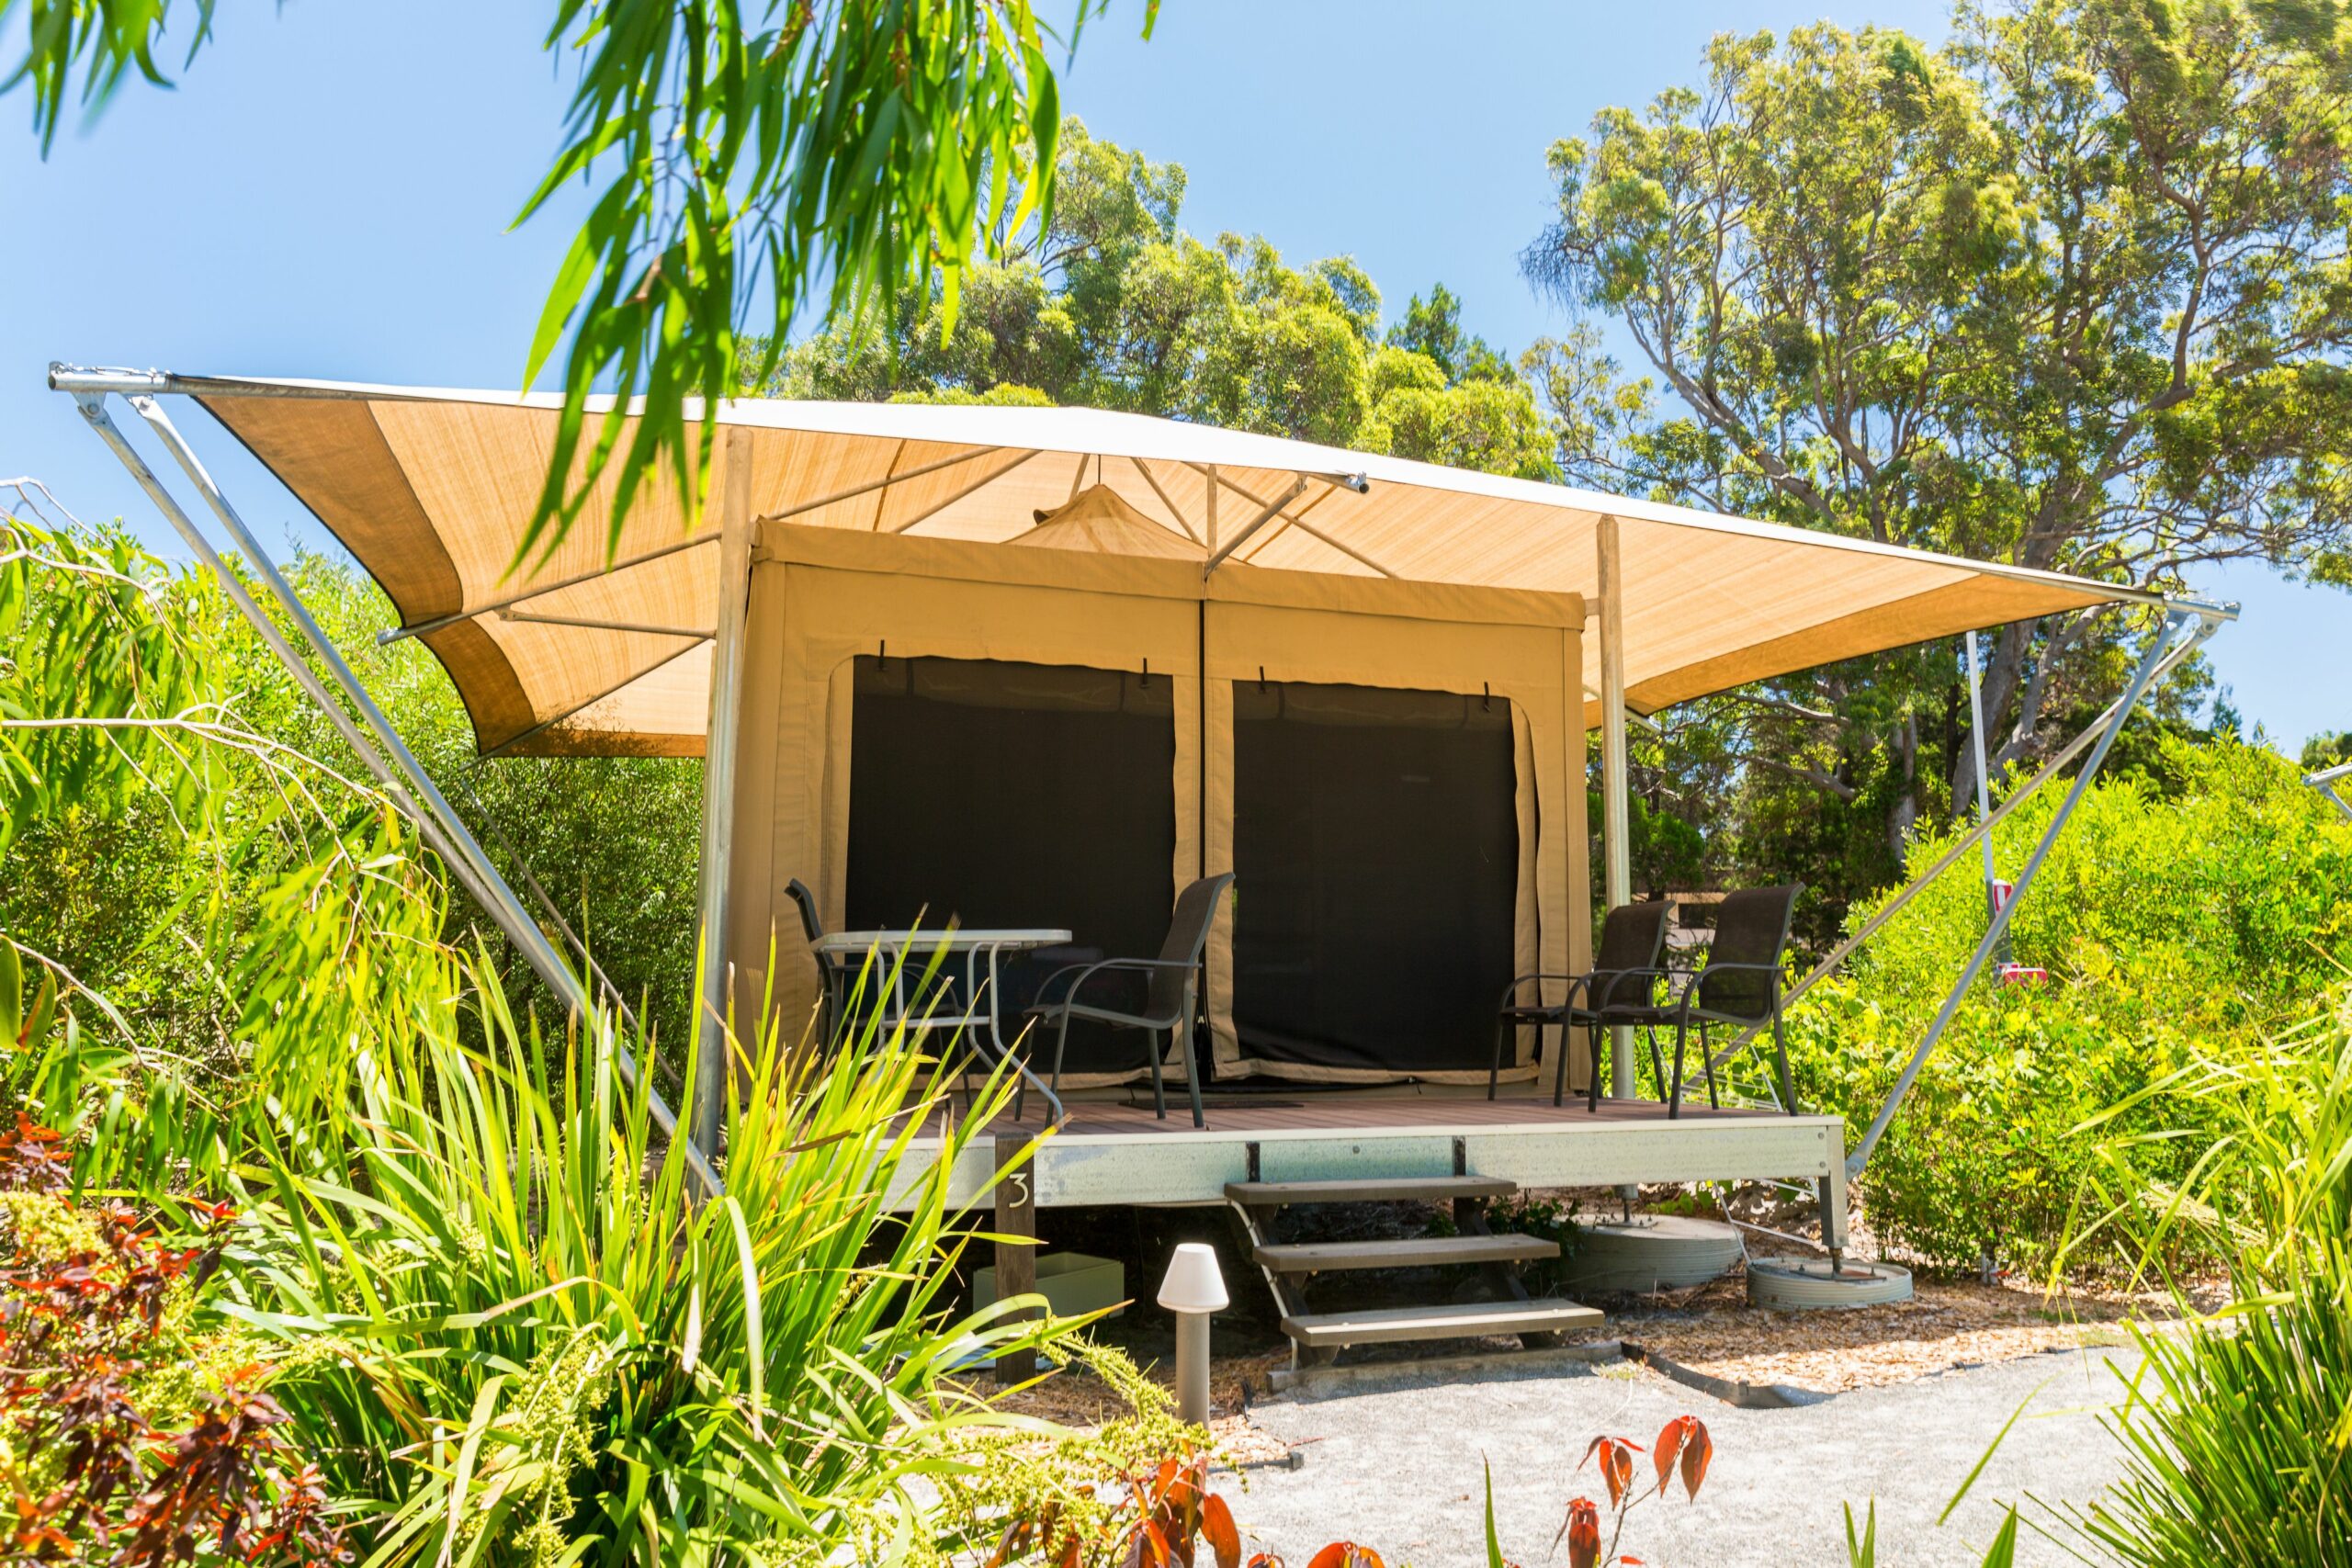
{"x":1020,"y":664}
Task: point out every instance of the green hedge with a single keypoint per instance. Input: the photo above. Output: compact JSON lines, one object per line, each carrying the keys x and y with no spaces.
{"x":2185,"y":914}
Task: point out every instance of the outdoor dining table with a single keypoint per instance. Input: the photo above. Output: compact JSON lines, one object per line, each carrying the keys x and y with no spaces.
{"x":973,"y":944}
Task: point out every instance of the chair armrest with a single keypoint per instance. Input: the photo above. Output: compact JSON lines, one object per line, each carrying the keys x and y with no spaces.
{"x":1089,"y":971}
{"x":1576,"y":982}
{"x":1694,"y":994}
{"x":1647,"y":972}
{"x":1046,"y":984}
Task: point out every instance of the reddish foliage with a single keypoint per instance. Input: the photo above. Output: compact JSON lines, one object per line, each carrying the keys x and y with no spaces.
{"x":1685,"y":1436}
{"x":1616,"y":1456}
{"x":1682,"y":1441}
{"x":1161,"y":1520}
{"x":32,"y":1159}
{"x":75,"y":1335}
{"x":1583,"y":1531}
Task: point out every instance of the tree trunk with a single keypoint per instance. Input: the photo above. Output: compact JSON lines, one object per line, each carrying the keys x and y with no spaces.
{"x":1905,"y":815}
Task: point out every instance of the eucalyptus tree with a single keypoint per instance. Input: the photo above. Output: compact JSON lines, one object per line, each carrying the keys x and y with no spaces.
{"x":2072,"y":290}
{"x":1111,"y":303}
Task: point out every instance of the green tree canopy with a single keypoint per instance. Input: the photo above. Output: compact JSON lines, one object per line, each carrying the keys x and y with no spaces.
{"x":1114,"y":305}
{"x":2071,"y":291}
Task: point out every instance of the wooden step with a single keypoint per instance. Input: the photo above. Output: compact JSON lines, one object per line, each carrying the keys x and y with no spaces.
{"x":1411,"y":1252}
{"x":1369,"y":1189}
{"x":1473,"y":1320}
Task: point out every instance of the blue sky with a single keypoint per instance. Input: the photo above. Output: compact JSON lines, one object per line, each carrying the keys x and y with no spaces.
{"x":328,"y":192}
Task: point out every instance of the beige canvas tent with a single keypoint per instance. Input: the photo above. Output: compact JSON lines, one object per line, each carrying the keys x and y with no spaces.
{"x":948,"y":659}
{"x":1259,"y":615}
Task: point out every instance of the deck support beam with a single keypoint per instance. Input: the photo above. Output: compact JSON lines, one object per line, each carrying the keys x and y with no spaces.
{"x":707,"y":1115}
{"x":1016,"y":1238}
{"x":1615,"y":808}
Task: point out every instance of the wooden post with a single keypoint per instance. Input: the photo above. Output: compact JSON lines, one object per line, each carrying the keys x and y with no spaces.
{"x":1616,"y":813}
{"x":1016,"y":1253}
{"x":708,"y":1114}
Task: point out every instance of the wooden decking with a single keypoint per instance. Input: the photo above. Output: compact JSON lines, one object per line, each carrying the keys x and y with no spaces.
{"x":1345,"y":1113}
{"x":1111,"y":1152}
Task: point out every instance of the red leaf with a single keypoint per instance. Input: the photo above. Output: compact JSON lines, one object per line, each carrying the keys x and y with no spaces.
{"x":1216,"y":1525}
{"x":1616,"y":1463}
{"x":1670,"y":1445}
{"x":1696,"y":1453}
{"x":1583,"y":1532}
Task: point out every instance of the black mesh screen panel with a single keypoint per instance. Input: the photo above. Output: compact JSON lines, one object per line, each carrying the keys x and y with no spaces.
{"x":999,"y":794}
{"x":1376,"y":858}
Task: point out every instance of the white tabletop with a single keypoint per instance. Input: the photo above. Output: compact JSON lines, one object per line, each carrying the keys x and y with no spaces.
{"x":954,"y":938}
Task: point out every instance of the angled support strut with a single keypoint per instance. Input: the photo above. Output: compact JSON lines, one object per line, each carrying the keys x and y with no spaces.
{"x":380,"y":746}
{"x":1998,"y":927}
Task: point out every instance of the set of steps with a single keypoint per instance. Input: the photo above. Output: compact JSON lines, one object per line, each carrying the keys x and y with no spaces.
{"x":1318,"y":1336}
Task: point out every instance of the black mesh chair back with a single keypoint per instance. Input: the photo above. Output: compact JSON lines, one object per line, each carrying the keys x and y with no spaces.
{"x":1751,"y":933}
{"x":831,"y":976}
{"x":806,"y":901}
{"x":1188,"y":938}
{"x":1632,"y":937}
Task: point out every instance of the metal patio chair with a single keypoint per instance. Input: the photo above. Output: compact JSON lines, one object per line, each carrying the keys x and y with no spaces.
{"x":1172,"y":986}
{"x":832,"y":974}
{"x":1632,"y":936}
{"x":1741,"y":984}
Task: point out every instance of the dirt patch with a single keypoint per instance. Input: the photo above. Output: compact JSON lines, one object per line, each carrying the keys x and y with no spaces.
{"x":1944,"y":1327}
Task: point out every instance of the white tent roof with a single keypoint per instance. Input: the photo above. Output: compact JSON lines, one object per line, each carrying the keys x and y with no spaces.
{"x":431,"y":490}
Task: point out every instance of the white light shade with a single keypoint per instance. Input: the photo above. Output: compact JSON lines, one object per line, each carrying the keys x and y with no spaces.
{"x":1194,"y":1284}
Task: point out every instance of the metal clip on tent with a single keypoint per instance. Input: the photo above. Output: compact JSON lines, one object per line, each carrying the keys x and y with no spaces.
{"x":394,"y":766}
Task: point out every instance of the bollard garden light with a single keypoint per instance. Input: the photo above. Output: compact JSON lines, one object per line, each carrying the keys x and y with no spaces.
{"x":1192,"y":1290}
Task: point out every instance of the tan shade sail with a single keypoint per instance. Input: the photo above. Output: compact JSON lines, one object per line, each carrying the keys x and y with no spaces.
{"x":598,"y":651}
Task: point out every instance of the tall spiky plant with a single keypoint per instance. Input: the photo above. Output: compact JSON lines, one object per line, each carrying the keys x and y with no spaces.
{"x":513,"y":1328}
{"x":2238,"y":1431}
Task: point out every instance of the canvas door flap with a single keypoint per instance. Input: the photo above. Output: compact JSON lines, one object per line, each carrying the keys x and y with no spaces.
{"x":1325,"y":670}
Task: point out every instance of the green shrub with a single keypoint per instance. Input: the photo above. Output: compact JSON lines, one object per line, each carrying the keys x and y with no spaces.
{"x":2177,"y":927}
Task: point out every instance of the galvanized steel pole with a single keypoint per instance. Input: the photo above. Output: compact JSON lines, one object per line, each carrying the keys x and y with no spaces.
{"x":1998,"y":927}
{"x":706,"y":1112}
{"x":1616,"y":809}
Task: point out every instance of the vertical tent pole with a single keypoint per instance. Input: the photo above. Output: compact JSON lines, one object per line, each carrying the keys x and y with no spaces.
{"x":706,"y":1112}
{"x":1615,"y":809}
{"x":403,"y":776}
{"x":1984,"y":788}
{"x":1998,"y":927}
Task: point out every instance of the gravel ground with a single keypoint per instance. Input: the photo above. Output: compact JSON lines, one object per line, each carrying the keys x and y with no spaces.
{"x":1396,"y":1466}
